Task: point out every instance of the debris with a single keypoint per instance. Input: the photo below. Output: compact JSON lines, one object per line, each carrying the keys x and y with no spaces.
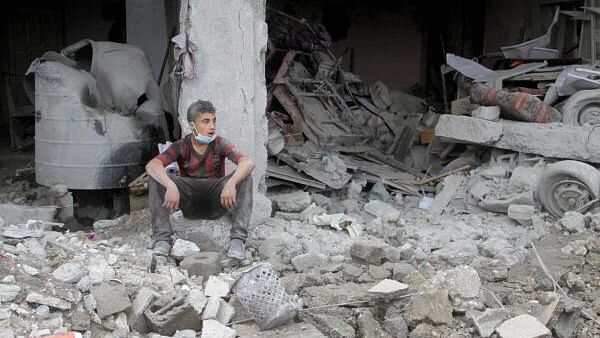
{"x":573,"y":221}
{"x":217,"y":286}
{"x":110,"y":299}
{"x":170,"y":313}
{"x":182,"y":248}
{"x":486,"y":322}
{"x":332,"y":326}
{"x":383,"y":210}
{"x":202,"y":264}
{"x":523,"y":326}
{"x":452,"y":185}
{"x":559,"y":141}
{"x":8,"y":292}
{"x":490,"y":113}
{"x":388,"y":287}
{"x":69,"y":273}
{"x":521,"y":213}
{"x":212,"y":328}
{"x":54,"y":302}
{"x":371,"y":252}
{"x":368,"y":327}
{"x":432,"y":306}
{"x":293,"y":202}
{"x":17,"y":214}
{"x":307,"y":261}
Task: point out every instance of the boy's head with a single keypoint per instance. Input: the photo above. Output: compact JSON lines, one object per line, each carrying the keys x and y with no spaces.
{"x":201,"y":116}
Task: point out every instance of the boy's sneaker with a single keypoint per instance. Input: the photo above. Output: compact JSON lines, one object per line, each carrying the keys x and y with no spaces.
{"x":162,"y":248}
{"x":237,"y":249}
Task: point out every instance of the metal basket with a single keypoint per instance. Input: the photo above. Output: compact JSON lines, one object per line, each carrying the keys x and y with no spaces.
{"x":262,"y":294}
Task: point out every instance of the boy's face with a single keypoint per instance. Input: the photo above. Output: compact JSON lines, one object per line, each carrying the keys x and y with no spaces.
{"x":205,"y":124}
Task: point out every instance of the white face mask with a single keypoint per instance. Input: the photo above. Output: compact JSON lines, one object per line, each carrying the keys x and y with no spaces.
{"x":203,"y":138}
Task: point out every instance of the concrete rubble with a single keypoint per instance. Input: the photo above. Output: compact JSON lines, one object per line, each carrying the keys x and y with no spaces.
{"x":409,"y":223}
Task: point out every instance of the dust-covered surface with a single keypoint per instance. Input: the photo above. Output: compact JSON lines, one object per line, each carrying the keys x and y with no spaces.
{"x":470,"y":270}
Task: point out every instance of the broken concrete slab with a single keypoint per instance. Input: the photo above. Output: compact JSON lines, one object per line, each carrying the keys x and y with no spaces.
{"x":217,"y":286}
{"x":573,"y":221}
{"x":54,"y":302}
{"x":212,"y":328}
{"x":226,"y":312}
{"x":369,"y":327}
{"x":389,"y":288}
{"x":70,"y":272}
{"x":433,"y":306}
{"x":490,"y":113}
{"x":383,"y":210}
{"x":296,"y":330}
{"x":202,"y":264}
{"x":197,"y":298}
{"x":472,"y":130}
{"x":110,"y":298}
{"x":307,"y":261}
{"x":452,"y":185}
{"x":549,"y":140}
{"x":396,"y":326}
{"x":8,"y":292}
{"x":170,"y":313}
{"x":293,"y":202}
{"x":523,"y":326}
{"x":135,"y":316}
{"x":486,"y":322}
{"x":368,"y":251}
{"x":211,"y":310}
{"x":332,"y":326}
{"x":521,"y":213}
{"x":461,"y":281}
{"x":182,"y":248}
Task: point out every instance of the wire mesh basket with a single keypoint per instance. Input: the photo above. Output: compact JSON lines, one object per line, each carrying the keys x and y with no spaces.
{"x":262,"y":294}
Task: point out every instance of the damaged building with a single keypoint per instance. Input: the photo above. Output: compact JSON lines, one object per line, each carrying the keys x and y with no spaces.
{"x":418,"y":169}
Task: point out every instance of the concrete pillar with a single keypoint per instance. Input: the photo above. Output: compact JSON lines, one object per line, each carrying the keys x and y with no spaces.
{"x":147,"y":29}
{"x":231,"y":39}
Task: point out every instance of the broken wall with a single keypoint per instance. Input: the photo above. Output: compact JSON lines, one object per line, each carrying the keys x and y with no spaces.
{"x":231,"y":38}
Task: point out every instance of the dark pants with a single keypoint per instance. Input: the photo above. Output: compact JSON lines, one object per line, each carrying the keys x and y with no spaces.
{"x":200,"y":198}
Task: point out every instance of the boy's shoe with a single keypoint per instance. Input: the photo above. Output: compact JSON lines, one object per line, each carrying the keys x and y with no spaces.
{"x":162,"y":248}
{"x":237,"y":249}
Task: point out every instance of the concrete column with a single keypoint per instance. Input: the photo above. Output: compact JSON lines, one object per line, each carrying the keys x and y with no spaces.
{"x":147,"y":29}
{"x":231,"y":39}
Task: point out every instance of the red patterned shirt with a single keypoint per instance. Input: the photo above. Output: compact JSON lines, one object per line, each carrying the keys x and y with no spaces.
{"x":211,"y":164}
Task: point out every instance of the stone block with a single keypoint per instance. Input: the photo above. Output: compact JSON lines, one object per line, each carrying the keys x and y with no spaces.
{"x":490,"y":113}
{"x":396,"y":326}
{"x":202,"y":264}
{"x":433,"y":306}
{"x":486,"y":322}
{"x":217,"y":286}
{"x":371,"y":252}
{"x":383,"y":210}
{"x":212,"y":328}
{"x":307,"y":261}
{"x":389,"y":288}
{"x":573,"y":221}
{"x":369,"y":327}
{"x":182,"y":248}
{"x":8,"y":292}
{"x":135,"y":315}
{"x":54,"y":302}
{"x":521,"y":213}
{"x":70,"y":272}
{"x":168,"y":314}
{"x":333,"y":326}
{"x":225,"y":313}
{"x":211,"y":310}
{"x":468,"y":129}
{"x":110,"y":298}
{"x":293,"y":202}
{"x":523,"y":326}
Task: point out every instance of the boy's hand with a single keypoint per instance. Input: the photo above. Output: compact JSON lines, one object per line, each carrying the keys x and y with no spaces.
{"x":228,"y":196}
